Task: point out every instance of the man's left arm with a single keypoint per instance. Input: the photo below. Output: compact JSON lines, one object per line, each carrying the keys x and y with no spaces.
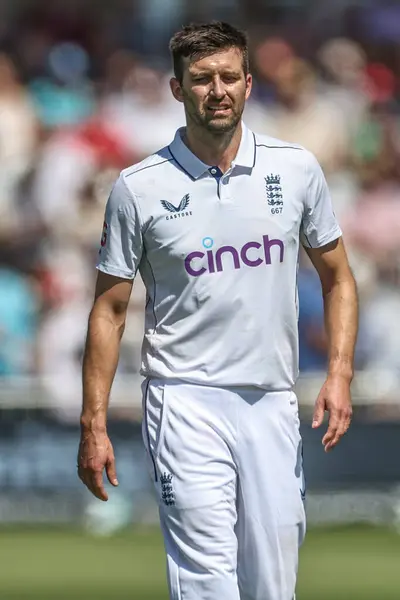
{"x":341,"y":321}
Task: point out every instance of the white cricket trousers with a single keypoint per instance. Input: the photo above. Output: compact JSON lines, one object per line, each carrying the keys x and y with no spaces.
{"x":227,"y":468}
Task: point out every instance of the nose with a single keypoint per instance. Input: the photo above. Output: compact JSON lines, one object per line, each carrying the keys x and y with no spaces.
{"x":218,"y":90}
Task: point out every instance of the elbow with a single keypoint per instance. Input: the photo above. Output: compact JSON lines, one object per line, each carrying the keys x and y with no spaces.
{"x":119,"y":310}
{"x":113,"y":314}
{"x":337,"y":279}
{"x":329,"y":282}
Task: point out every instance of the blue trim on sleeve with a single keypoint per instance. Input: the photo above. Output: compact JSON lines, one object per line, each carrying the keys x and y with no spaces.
{"x":150,"y":166}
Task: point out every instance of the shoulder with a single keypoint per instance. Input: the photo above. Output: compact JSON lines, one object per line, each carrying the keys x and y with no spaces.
{"x":134,"y":181}
{"x":266,"y":141}
{"x":293,"y":154}
{"x":145,"y":170}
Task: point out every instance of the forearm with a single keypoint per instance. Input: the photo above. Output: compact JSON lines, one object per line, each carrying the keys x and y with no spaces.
{"x":99,"y":366}
{"x":341,"y":320}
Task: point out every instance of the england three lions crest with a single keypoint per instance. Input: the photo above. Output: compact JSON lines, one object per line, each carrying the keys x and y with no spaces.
{"x":274,"y":193}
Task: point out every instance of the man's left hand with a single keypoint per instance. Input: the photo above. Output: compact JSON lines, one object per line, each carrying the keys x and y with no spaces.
{"x":334,"y":398}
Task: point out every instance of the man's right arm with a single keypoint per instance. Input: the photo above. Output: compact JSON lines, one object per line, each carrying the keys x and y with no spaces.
{"x":105,"y":330}
{"x":119,"y":258}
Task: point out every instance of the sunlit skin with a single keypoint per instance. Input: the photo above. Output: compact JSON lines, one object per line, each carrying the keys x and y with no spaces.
{"x":214,"y":90}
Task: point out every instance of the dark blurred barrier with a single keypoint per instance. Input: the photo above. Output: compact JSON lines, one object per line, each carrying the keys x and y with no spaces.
{"x":367,"y":457}
{"x":38,"y":480}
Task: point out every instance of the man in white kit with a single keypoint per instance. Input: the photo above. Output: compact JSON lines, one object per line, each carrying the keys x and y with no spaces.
{"x":213,"y":223}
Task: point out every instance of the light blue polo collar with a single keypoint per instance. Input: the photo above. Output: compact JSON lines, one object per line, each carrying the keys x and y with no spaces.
{"x":195,"y":168}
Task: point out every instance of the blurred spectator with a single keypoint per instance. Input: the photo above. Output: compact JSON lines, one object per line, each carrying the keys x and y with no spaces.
{"x":381,"y":316}
{"x":269,"y":56}
{"x":344,"y":62}
{"x":64,"y":96}
{"x":143,"y":113}
{"x":18,"y":324}
{"x":62,"y":334}
{"x":373,"y":224}
{"x":158,"y":20}
{"x":69,"y":161}
{"x":305,"y":117}
{"x":18,"y":138}
{"x":302,"y":115}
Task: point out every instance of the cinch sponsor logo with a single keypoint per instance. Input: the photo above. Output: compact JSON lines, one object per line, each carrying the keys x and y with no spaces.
{"x":214,"y":261}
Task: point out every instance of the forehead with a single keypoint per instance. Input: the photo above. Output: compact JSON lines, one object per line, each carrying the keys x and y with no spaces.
{"x":230,"y":58}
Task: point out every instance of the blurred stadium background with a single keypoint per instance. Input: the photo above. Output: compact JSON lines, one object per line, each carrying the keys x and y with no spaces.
{"x":83,"y":93}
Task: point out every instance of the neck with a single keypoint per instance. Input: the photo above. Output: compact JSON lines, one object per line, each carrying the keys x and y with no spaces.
{"x":214,"y":150}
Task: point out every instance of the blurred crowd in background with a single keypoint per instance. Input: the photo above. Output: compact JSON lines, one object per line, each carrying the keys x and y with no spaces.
{"x":84,"y":92}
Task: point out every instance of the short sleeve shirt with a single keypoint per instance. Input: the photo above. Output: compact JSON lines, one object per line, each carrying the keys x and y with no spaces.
{"x":218,"y":254}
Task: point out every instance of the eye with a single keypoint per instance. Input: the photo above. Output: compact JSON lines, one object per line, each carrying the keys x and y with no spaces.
{"x":200,"y":79}
{"x":230,"y":78}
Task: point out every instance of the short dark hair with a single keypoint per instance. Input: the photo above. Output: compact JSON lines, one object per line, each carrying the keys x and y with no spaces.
{"x":197,"y":40}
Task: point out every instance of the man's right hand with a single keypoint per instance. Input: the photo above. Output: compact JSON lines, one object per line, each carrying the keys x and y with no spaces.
{"x":96,"y":454}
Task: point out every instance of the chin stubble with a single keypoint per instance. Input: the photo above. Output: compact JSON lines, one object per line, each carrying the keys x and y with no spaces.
{"x":213,"y":126}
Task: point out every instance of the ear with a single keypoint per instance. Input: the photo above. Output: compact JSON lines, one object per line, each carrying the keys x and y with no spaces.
{"x":176,"y":89}
{"x":249,"y":85}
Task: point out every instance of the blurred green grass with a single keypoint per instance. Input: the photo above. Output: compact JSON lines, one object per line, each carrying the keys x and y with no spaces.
{"x":47,"y":564}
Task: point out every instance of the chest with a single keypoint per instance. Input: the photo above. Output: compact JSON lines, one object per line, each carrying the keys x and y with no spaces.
{"x":236,"y":210}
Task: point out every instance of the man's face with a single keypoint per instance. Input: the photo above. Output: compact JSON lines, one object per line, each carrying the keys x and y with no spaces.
{"x":214,"y":90}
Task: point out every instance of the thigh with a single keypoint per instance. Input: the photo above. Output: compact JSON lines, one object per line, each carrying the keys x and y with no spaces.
{"x":271,"y":517}
{"x":188,"y":441}
{"x":195,"y":481}
{"x":201,"y":548}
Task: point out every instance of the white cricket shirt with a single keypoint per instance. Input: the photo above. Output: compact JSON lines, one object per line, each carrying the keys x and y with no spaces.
{"x":218,"y":254}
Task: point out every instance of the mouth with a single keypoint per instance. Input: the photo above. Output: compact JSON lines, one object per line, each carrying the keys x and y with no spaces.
{"x":221,"y":109}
